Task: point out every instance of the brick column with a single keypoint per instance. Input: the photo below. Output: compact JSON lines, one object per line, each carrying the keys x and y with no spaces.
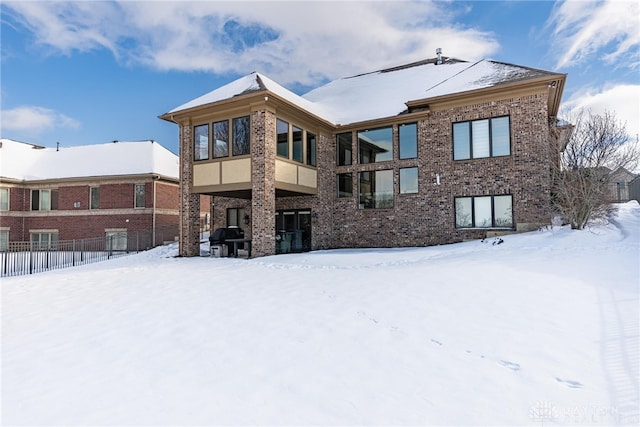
{"x":263,"y":195}
{"x":189,"y":202}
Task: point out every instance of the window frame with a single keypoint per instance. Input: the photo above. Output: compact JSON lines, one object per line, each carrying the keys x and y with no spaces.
{"x":388,"y":156}
{"x":246,"y":145}
{"x":415,"y":145}
{"x":4,"y":239}
{"x":93,"y":189}
{"x":312,"y":147}
{"x":467,"y":153}
{"x":344,"y":149}
{"x":136,"y":205}
{"x":473,"y":212}
{"x":52,"y":201}
{"x":51,"y":242}
{"x":417,"y":180}
{"x":5,"y":199}
{"x":197,"y":148}
{"x":214,"y":140}
{"x":376,"y":202}
{"x":341,"y":178}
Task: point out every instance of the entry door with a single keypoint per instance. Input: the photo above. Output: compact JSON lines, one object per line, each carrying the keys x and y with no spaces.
{"x":293,"y":231}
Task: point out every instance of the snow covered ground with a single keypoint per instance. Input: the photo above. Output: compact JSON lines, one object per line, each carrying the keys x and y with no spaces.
{"x":542,"y":329}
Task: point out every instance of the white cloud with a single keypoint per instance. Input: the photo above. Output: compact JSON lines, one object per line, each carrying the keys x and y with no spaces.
{"x":34,"y":120}
{"x":623,"y":99}
{"x":302,"y":42}
{"x":606,"y":30}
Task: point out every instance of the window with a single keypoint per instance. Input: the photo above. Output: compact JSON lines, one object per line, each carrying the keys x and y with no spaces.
{"x":221,"y":139}
{"x":297,"y":145}
{"x":282,"y":141}
{"x":116,"y":239}
{"x":375,"y":189}
{"x":235,"y":217}
{"x":408,"y":180}
{"x":201,"y":142}
{"x":241,"y":136}
{"x":481,"y":138}
{"x":345,"y":144}
{"x":44,"y":240}
{"x":140,"y":196}
{"x":4,"y":239}
{"x":4,"y":199}
{"x":408,"y":141}
{"x":94,"y":198}
{"x":345,"y":185}
{"x":44,"y":200}
{"x":311,"y":149}
{"x":375,"y":145}
{"x":484,"y":212}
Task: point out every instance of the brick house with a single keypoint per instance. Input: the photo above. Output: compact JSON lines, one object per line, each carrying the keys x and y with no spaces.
{"x":49,"y":194}
{"x":432,"y":152}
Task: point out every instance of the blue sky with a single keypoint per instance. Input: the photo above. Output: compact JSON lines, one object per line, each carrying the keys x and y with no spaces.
{"x":86,"y":72}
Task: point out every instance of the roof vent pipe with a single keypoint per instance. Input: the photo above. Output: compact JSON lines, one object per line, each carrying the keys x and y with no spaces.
{"x":439,"y":53}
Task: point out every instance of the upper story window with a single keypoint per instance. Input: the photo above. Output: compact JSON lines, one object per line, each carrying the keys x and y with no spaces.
{"x":201,"y":142}
{"x":481,"y":138}
{"x":221,"y":139}
{"x":140,"y":191}
{"x":484,"y":212}
{"x":344,"y":143}
{"x":375,"y":145}
{"x":4,"y":199}
{"x":311,"y":149}
{"x":408,"y":140}
{"x":94,"y":198}
{"x":290,"y":143}
{"x":282,"y":138}
{"x":241,"y":136}
{"x":44,"y":200}
{"x":240,"y":139}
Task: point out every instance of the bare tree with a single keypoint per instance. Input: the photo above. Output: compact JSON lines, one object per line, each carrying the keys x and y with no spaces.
{"x":598,"y":145}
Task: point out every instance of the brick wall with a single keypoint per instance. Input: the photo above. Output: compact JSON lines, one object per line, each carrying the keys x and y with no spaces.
{"x":425,"y":218}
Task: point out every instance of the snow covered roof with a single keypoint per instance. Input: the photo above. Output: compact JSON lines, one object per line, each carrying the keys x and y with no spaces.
{"x":28,"y":162}
{"x":383,"y":93}
{"x":250,"y":83}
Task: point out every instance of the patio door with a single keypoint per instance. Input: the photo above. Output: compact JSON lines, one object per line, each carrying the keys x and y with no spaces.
{"x":293,"y":231}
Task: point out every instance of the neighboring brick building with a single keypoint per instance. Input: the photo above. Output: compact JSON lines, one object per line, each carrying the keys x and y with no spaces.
{"x":433,"y":152}
{"x":49,"y":194}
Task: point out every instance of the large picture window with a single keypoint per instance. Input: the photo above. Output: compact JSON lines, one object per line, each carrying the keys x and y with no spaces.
{"x":484,"y":212}
{"x":375,"y":189}
{"x":241,"y":136}
{"x":375,"y":145}
{"x":408,"y":138}
{"x":344,"y":143}
{"x":297,"y":144}
{"x":201,"y":142}
{"x":220,"y":139}
{"x":44,"y":240}
{"x":345,"y":185}
{"x":481,"y":138}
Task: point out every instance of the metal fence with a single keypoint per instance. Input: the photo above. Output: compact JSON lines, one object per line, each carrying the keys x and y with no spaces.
{"x":22,"y":258}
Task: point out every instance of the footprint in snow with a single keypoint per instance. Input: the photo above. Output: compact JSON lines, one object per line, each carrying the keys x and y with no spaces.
{"x":570,"y":383}
{"x":509,"y":365}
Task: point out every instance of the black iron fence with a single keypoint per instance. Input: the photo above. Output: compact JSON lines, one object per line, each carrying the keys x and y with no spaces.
{"x":21,"y":258}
